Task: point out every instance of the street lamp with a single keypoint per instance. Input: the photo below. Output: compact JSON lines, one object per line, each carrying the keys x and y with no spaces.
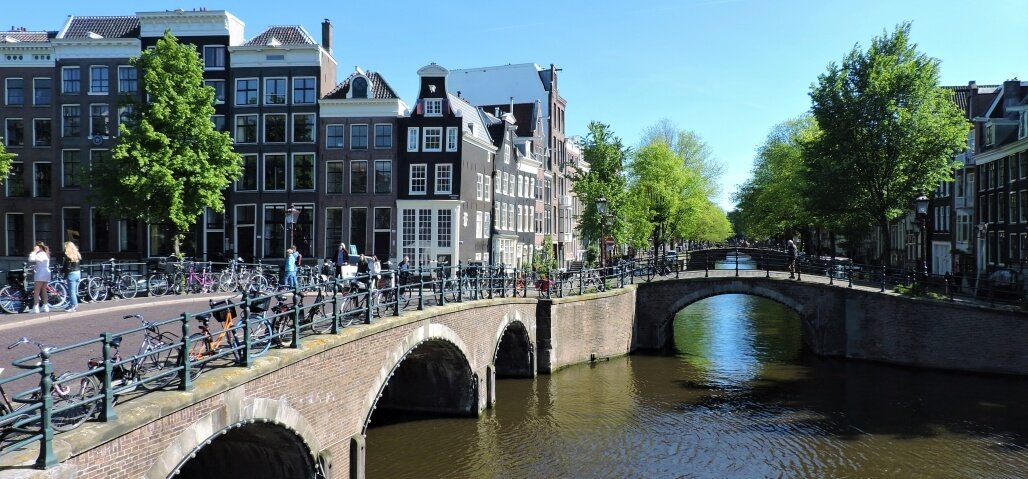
{"x":292,"y":214}
{"x":921,"y":208}
{"x":601,"y":209}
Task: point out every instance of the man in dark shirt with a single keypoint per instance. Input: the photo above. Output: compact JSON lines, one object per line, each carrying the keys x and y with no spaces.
{"x":342,"y":258}
{"x":792,"y":259}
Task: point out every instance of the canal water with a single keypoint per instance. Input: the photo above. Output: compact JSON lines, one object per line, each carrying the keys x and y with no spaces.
{"x":738,"y":398}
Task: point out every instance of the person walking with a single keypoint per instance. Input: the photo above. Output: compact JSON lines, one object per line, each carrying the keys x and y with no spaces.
{"x":41,"y":275}
{"x":792,"y":259}
{"x":292,"y":259}
{"x":342,"y":258}
{"x":73,"y":273}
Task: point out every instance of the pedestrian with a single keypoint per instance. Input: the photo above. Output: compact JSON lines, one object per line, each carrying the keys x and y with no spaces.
{"x":375,"y":269}
{"x":73,"y":273}
{"x":404,"y":269}
{"x":362,"y":270}
{"x":40,"y":275}
{"x":792,"y":259}
{"x":292,"y":259}
{"x":342,"y":258}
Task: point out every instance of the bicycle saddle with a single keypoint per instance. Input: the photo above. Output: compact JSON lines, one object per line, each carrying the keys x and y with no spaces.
{"x":116,"y":342}
{"x":204,"y":318}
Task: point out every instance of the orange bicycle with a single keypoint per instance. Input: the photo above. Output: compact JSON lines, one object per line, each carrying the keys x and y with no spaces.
{"x":208,"y":345}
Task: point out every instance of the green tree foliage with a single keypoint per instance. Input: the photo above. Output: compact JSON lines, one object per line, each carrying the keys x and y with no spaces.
{"x":5,"y":161}
{"x":773,"y":202}
{"x":170,"y":163}
{"x":887,"y":133}
{"x":606,"y":156}
{"x":691,"y":148}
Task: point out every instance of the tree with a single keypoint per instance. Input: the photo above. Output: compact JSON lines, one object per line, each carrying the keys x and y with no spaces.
{"x":6,"y":159}
{"x":170,"y":163}
{"x":605,"y":178}
{"x":665,"y":195}
{"x":887,"y":133}
{"x":691,"y":148}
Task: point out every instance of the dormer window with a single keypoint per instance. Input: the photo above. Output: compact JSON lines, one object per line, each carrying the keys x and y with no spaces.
{"x":359,"y":88}
{"x":433,"y":107}
{"x":1022,"y":125}
{"x":990,"y":134}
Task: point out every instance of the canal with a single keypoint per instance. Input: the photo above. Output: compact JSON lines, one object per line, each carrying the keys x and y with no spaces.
{"x":739,"y":397}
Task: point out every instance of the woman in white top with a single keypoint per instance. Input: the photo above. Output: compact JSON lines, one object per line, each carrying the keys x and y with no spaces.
{"x":41,"y":275}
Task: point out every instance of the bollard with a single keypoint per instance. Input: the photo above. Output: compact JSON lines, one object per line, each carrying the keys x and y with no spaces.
{"x":849,"y":274}
{"x":831,"y":272}
{"x":245,"y":318}
{"x":297,"y":314}
{"x":460,"y":284}
{"x":107,"y":412}
{"x":883,"y":279}
{"x":396,"y":294}
{"x":368,"y":303}
{"x":706,"y":267}
{"x":736,"y":262}
{"x":46,"y":458}
{"x":336,"y":317}
{"x":767,"y":266}
{"x":421,"y":290}
{"x":185,"y":376}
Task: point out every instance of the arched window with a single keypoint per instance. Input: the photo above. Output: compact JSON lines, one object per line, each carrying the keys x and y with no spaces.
{"x":360,"y":88}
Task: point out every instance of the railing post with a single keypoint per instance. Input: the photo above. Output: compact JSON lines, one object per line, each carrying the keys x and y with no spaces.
{"x":369,"y":302}
{"x":107,"y":412}
{"x":335,"y":305}
{"x":883,"y":279}
{"x":297,"y":314}
{"x":736,"y":261}
{"x":799,"y":276}
{"x":460,"y":284}
{"x":245,"y":318}
{"x":421,"y":289}
{"x":395,"y":275}
{"x":46,"y":458}
{"x":440,"y":279}
{"x":767,"y":266}
{"x":831,"y":272}
{"x":849,"y":274}
{"x":185,"y":377}
{"x":581,"y":281}
{"x":706,"y":267}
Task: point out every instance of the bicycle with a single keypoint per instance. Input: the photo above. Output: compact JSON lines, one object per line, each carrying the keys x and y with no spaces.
{"x":16,"y":296}
{"x":356,"y":297}
{"x":112,"y":282}
{"x":207,"y":346}
{"x":199,"y":278}
{"x":315,"y":316}
{"x":148,"y":369}
{"x":71,"y":407}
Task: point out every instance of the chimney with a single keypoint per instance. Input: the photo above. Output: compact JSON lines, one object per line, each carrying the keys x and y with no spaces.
{"x":497,"y":112}
{"x":326,"y":35}
{"x":1011,"y":94}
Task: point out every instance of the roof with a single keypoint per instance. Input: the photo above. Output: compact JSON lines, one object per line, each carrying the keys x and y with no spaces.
{"x":282,"y":35}
{"x":100,"y":27}
{"x":377,"y":85}
{"x":498,"y":85}
{"x":962,"y":96}
{"x":25,"y":36}
{"x":473,"y":119}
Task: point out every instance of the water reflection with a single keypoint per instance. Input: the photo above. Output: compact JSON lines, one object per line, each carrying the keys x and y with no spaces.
{"x":739,"y":398}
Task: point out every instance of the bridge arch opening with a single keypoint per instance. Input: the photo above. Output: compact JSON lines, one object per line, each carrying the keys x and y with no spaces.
{"x":257,"y":450}
{"x":433,"y":379}
{"x":514,"y":352}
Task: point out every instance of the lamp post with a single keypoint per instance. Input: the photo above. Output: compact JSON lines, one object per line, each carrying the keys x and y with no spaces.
{"x":921,"y":208}
{"x":601,"y":209}
{"x":292,"y":214}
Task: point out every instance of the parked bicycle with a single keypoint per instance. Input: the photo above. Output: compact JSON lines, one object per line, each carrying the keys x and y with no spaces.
{"x":150,"y":369}
{"x":73,"y":396}
{"x":314,"y":316}
{"x":112,"y":282}
{"x":208,"y":345}
{"x":16,"y":296}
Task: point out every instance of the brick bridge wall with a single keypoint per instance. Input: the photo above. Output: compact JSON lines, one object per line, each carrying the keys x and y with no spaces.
{"x":859,"y":324}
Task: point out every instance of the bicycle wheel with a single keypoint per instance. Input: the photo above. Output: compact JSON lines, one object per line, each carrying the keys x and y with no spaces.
{"x":260,"y":283}
{"x":83,"y":290}
{"x":126,"y":287}
{"x":227,"y":280}
{"x":154,"y":371}
{"x":260,"y":335}
{"x":283,"y":328}
{"x":57,"y":294}
{"x":199,"y":354}
{"x":84,"y":392}
{"x":157,"y":284}
{"x":97,"y":289}
{"x":383,"y":300}
{"x":318,"y":316}
{"x":12,"y":300}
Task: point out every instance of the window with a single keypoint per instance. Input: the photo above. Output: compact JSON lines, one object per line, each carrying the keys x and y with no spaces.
{"x":383,"y":176}
{"x":359,"y":88}
{"x":128,"y":81}
{"x":71,"y":169}
{"x":418,"y":179}
{"x":478,"y":225}
{"x":486,"y":224}
{"x":506,"y":152}
{"x":433,"y":107}
{"x":97,"y":156}
{"x":521,"y":186}
{"x":71,"y":80}
{"x":479,"y":183}
{"x":1024,"y":206}
{"x":334,"y":136}
{"x":274,"y":230}
{"x":506,"y":184}
{"x":71,"y":221}
{"x":334,"y":177}
{"x":359,"y":229}
{"x":15,"y":135}
{"x":275,"y":128}
{"x":42,"y":132}
{"x":304,"y":91}
{"x":15,"y":91}
{"x":41,"y":179}
{"x":274,"y":172}
{"x":246,"y":129}
{"x":98,"y":120}
{"x":383,"y":136}
{"x":412,"y":138}
{"x":1022,"y":125}
{"x":15,"y":225}
{"x":443,"y":178}
{"x":451,"y":138}
{"x":382,"y":233}
{"x":990,"y":134}
{"x":274,"y":91}
{"x":1023,"y":161}
{"x":248,"y":181}
{"x":15,"y":182}
{"x":246,"y":91}
{"x":1013,"y":207}
{"x":358,"y":137}
{"x":42,"y":90}
{"x":358,"y":177}
{"x":218,"y":121}
{"x":219,"y":90}
{"x":444,"y":226}
{"x":488,"y":188}
{"x":99,"y":79}
{"x":214,"y":57}
{"x":303,"y":127}
{"x":333,"y":230}
{"x":303,"y":171}
{"x":125,"y":114}
{"x":433,"y":139}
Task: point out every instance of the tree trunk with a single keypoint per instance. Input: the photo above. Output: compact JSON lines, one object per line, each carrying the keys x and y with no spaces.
{"x":883,"y":225}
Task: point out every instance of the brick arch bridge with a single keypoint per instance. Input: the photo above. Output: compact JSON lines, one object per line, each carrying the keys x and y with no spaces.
{"x":303,"y":412}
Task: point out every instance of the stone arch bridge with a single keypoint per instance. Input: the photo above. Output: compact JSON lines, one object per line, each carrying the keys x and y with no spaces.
{"x":303,"y":412}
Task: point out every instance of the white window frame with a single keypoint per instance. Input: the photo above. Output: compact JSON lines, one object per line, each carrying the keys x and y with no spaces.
{"x":224,"y":57}
{"x":990,"y":134}
{"x":258,"y":163}
{"x":7,"y":89}
{"x":342,"y":145}
{"x":451,"y":138}
{"x":91,"y":105}
{"x":366,"y":136}
{"x":479,"y":183}
{"x":292,"y":171}
{"x":264,"y":128}
{"x":435,"y":132}
{"x":34,"y":91}
{"x":34,"y":145}
{"x":211,"y":83}
{"x":1022,"y":125}
{"x":487,"y":190}
{"x":478,"y":225}
{"x":235,"y":92}
{"x":292,"y":90}
{"x":444,"y":171}
{"x":63,"y":69}
{"x":127,"y":67}
{"x":374,"y":135}
{"x":423,"y":177}
{"x":285,"y":94}
{"x":412,"y":138}
{"x":256,"y":133}
{"x":314,"y":128}
{"x":99,"y":92}
{"x":433,"y":107}
{"x":263,"y":168}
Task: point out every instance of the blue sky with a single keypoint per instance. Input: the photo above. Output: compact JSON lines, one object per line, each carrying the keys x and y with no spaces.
{"x":727,"y":69}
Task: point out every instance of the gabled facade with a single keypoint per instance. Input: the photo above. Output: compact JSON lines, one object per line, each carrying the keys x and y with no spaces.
{"x":359,"y":125}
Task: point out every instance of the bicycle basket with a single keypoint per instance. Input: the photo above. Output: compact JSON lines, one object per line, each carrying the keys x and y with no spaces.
{"x":261,"y":305}
{"x":221,"y":310}
{"x":15,"y":277}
